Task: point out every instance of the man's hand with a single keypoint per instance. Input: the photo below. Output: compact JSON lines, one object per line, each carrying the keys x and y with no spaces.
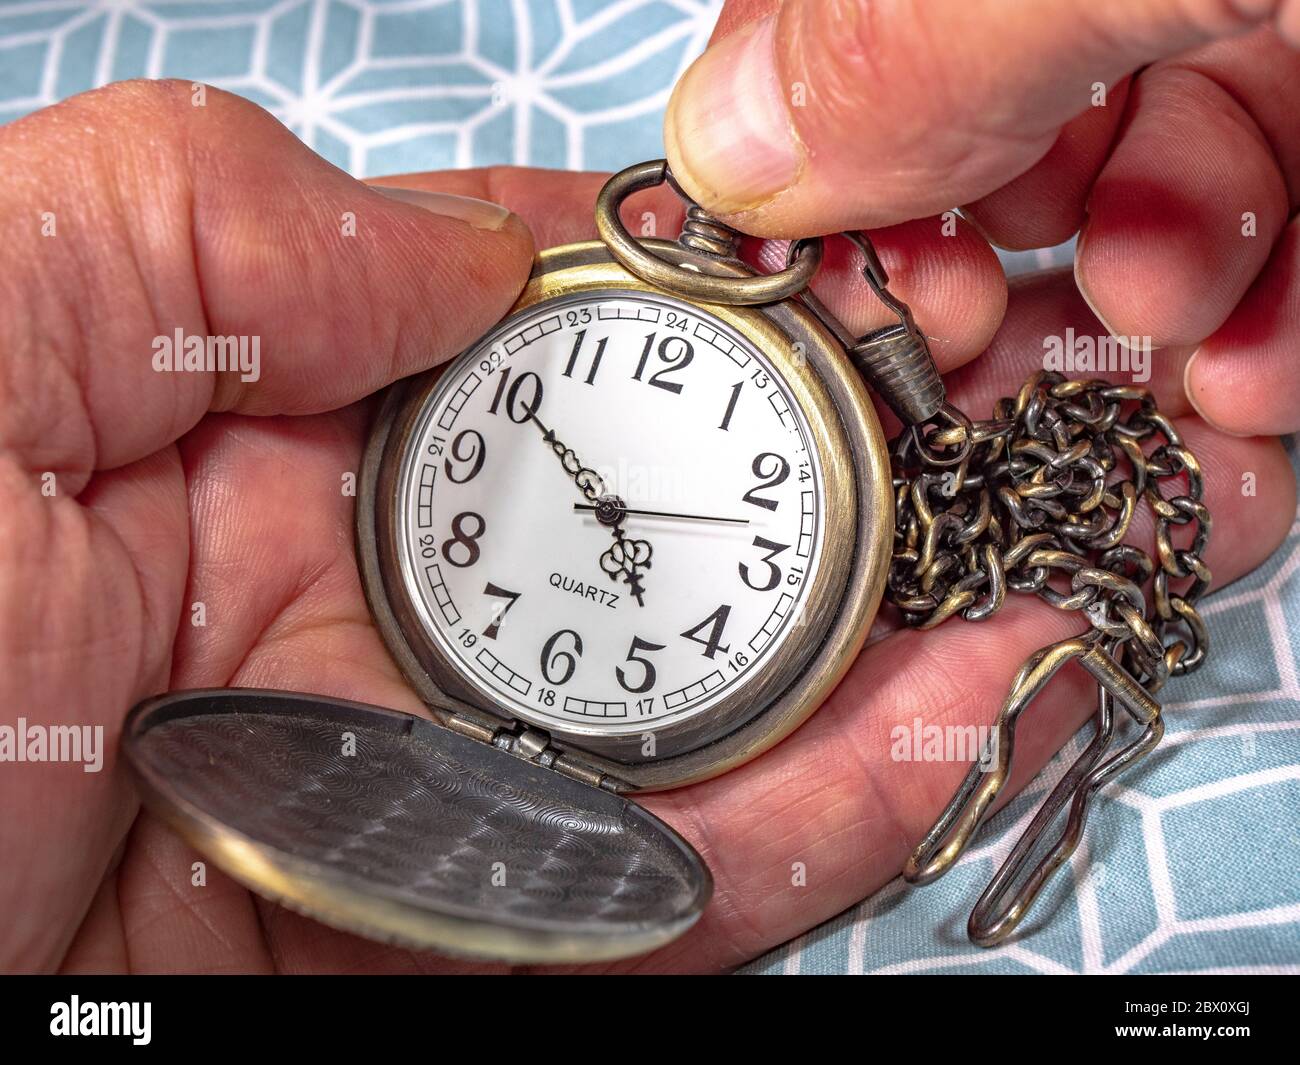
{"x":175,"y":489}
{"x":128,"y":495}
{"x":813,"y":116}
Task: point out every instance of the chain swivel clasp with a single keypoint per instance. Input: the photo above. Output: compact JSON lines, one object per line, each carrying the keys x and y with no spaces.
{"x":703,"y":235}
{"x":895,"y":359}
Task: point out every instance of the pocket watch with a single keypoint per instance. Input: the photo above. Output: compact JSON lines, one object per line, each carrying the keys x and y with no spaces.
{"x":628,"y":540}
{"x":648,"y":529}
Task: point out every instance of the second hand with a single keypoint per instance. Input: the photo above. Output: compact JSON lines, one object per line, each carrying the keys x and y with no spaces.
{"x":667,"y":514}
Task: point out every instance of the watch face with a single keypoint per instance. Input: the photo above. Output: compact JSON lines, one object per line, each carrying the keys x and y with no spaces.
{"x":609,"y":514}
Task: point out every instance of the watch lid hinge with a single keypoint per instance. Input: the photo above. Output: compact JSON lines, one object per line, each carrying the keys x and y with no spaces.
{"x":534,"y":745}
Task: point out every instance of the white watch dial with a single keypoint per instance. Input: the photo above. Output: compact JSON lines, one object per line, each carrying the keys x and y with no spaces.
{"x":610,"y":513}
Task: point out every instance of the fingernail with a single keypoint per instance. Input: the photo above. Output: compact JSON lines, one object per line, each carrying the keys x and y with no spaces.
{"x":1190,"y":389}
{"x":1083,"y":288}
{"x":481,"y":214}
{"x":1125,"y":340}
{"x":728,"y":132}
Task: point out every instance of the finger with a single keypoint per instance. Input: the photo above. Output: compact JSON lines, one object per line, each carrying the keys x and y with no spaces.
{"x":940,"y":266}
{"x":558,"y":206}
{"x":1049,"y":325}
{"x":1182,"y":217}
{"x":737,"y":14}
{"x":830,"y":115}
{"x":1199,"y":267}
{"x":1045,"y":206}
{"x":1243,"y":378}
{"x":128,"y":214}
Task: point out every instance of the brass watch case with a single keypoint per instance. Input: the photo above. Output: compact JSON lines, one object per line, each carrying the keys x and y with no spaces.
{"x":840,"y":605}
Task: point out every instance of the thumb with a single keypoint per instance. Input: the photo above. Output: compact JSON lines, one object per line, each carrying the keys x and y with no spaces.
{"x":846,"y":114}
{"x":142,"y":217}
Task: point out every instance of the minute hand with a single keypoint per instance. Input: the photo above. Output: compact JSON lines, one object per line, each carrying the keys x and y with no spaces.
{"x":665,"y":514}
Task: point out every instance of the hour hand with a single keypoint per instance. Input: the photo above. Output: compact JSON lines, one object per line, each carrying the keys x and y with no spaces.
{"x":587,"y":479}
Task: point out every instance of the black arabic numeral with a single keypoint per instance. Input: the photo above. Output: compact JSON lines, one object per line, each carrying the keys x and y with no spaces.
{"x":645,"y":354}
{"x":550,"y":656}
{"x":679,"y":361}
{"x":573,"y":355}
{"x":466,"y":539}
{"x":715,"y":623}
{"x":773,"y":570}
{"x":782,"y":469}
{"x":498,"y":612}
{"x":513,"y":405}
{"x":595,"y":362}
{"x":475,"y":456}
{"x":649,"y":677}
{"x":731,"y":406}
{"x":676,"y":351}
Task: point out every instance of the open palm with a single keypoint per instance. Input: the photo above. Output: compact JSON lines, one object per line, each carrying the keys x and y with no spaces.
{"x":175,"y":490}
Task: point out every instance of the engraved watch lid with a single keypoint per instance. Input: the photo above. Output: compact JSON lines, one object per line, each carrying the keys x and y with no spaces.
{"x":398,"y":829}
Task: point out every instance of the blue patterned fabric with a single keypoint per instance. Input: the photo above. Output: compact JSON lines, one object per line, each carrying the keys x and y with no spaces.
{"x":1192,"y":859}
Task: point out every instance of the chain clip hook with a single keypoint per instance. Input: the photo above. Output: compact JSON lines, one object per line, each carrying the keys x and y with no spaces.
{"x":1000,"y":910}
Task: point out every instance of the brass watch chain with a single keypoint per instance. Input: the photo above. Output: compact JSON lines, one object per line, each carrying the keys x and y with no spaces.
{"x":1045,"y":490}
